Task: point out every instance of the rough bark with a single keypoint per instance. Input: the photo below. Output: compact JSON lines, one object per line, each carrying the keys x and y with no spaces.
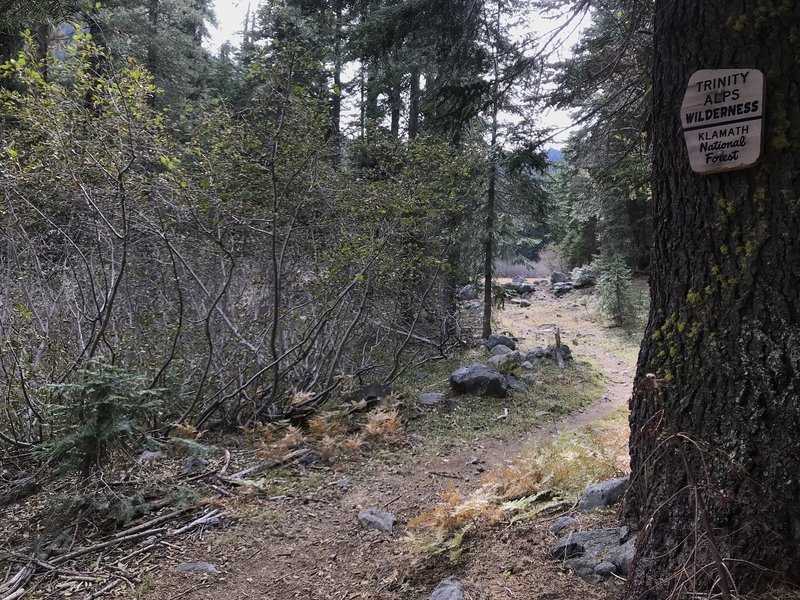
{"x":413,"y":104}
{"x":715,"y":413}
{"x":336,"y":95}
{"x":488,"y":249}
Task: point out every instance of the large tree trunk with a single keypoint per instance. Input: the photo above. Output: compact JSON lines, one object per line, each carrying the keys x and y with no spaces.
{"x":413,"y":104}
{"x":488,"y":244}
{"x":715,"y":414}
{"x":336,"y":95}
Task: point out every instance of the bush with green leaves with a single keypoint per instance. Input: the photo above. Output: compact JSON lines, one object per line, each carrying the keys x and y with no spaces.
{"x":615,"y":294}
{"x":97,"y":414}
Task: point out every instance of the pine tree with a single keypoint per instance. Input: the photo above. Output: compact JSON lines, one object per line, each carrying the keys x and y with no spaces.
{"x":715,"y":416}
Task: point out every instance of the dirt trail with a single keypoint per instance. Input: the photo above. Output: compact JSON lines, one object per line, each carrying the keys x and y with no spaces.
{"x":306,"y":543}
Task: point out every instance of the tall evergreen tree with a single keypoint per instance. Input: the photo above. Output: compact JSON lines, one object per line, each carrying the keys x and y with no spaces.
{"x":607,"y":83}
{"x":715,"y":414}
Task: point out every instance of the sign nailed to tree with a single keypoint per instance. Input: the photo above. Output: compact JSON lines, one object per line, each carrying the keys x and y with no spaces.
{"x":722,"y":115}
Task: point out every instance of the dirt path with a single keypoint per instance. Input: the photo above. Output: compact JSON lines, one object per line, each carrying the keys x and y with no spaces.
{"x":303,"y":541}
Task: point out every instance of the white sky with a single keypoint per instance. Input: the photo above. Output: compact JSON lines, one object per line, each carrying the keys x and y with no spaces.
{"x":230,"y":22}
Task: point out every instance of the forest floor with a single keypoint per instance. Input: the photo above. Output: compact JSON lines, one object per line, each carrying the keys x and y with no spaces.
{"x":304,"y":540}
{"x":296,"y":534}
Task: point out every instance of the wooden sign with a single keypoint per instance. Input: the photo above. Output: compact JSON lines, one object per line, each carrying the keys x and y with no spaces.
{"x":722,"y":115}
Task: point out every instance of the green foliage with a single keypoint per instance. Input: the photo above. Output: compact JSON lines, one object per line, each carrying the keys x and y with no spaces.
{"x":615,"y":294}
{"x":166,"y":37}
{"x":14,"y":13}
{"x":603,"y":182}
{"x":96,"y":415}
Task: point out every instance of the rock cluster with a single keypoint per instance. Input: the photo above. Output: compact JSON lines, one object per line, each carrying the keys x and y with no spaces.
{"x":492,"y":379}
{"x":596,"y":554}
{"x":581,"y":277}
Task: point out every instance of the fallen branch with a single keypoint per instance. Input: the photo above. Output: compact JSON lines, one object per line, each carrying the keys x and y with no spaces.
{"x":270,"y":464}
{"x":18,"y":594}
{"x":16,"y":583}
{"x":210,"y":517}
{"x":152,"y":522}
{"x":102,"y":545}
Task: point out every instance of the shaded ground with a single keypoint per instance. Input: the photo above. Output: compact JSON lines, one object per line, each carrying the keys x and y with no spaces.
{"x":303,"y":541}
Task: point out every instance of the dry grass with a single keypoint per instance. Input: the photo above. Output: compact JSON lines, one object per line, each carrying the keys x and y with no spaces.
{"x":566,"y":466}
{"x":542,"y":477}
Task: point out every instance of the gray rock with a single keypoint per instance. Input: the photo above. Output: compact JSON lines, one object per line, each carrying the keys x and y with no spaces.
{"x":558,"y":277}
{"x":559,"y":289}
{"x":566,"y":352}
{"x":527,"y":365}
{"x":500,"y":350}
{"x":372,"y":518}
{"x":522,"y":286}
{"x":520,"y":302}
{"x":312,"y":458}
{"x":584,"y":276}
{"x":604,"y":569}
{"x":448,"y":589}
{"x":596,"y":553}
{"x":479,"y":380}
{"x":538,"y":355}
{"x":605,"y":493}
{"x":586,"y":542}
{"x":504,"y":362}
{"x":198,"y":567}
{"x":562,"y":523}
{"x":515,"y":384}
{"x":468,"y":292}
{"x":430,"y":398}
{"x":149,"y":456}
{"x":193,"y":465}
{"x":622,"y":556}
{"x":493,"y":340}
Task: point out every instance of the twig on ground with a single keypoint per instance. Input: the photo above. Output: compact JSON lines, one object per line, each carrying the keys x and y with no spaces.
{"x":211,"y":516}
{"x":447,"y":475}
{"x":103,"y":590}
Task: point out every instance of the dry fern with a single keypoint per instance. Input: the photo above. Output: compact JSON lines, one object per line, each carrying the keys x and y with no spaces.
{"x":300,"y":399}
{"x":325,"y":425}
{"x":292,"y":439}
{"x":383,"y":424}
{"x":353,"y":444}
{"x":259,"y":433}
{"x":185,"y":431}
{"x":328,"y":448}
